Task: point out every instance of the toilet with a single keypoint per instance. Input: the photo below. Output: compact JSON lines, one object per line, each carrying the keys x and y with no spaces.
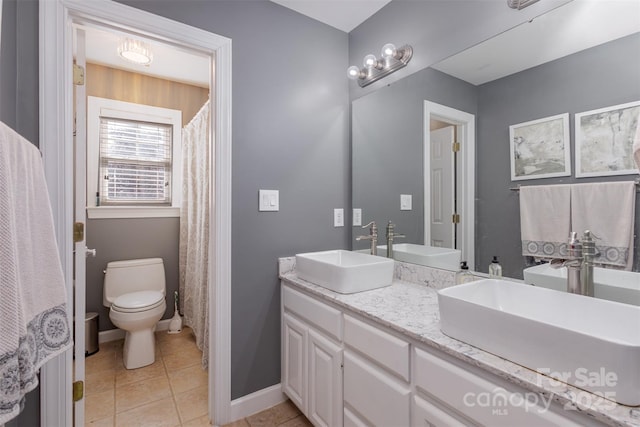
{"x":134,"y":290}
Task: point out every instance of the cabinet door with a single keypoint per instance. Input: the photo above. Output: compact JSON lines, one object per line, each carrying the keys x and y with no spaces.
{"x":325,"y":381}
{"x":294,"y":369}
{"x":425,"y":413}
{"x":378,"y":396}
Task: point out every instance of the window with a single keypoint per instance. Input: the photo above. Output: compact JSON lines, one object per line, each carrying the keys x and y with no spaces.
{"x":133,"y":160}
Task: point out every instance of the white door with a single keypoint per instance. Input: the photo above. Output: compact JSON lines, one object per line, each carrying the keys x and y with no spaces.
{"x":325,"y":381}
{"x":294,"y":368}
{"x":80,"y":247}
{"x":442,"y":188}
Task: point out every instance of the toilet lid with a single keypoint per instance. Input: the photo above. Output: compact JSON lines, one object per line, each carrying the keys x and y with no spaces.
{"x":138,"y":301}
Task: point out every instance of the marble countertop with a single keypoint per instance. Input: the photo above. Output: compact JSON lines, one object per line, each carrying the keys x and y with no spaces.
{"x":412,"y":310}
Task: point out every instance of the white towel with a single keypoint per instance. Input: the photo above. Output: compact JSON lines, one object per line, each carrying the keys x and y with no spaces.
{"x":608,"y":210}
{"x":33,"y":317}
{"x":545,"y":220}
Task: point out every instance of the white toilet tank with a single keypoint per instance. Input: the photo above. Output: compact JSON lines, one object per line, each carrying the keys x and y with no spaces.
{"x":122,"y":277}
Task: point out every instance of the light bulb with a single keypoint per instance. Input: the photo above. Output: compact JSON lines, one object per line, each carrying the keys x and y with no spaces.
{"x":388,"y":50}
{"x":370,"y":61}
{"x":353,"y":72}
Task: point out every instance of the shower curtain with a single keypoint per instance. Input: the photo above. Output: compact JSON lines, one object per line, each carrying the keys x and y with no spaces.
{"x":194,"y":228}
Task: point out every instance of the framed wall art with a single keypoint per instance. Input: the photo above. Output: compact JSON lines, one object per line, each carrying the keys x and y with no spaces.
{"x":540,"y":148}
{"x":604,"y":140}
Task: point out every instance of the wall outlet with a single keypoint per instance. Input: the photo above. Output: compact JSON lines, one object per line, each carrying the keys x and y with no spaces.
{"x":269,"y":200}
{"x":357,"y":217}
{"x":338,"y":217}
{"x":405,"y":202}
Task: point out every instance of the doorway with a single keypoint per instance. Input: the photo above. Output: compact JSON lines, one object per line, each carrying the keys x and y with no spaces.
{"x":455,"y":215}
{"x":137,"y":116}
{"x":56,"y":116}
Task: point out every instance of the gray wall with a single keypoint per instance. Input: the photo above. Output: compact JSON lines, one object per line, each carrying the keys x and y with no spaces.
{"x":130,"y":238}
{"x":19,"y":110}
{"x":435,"y":29}
{"x":599,"y":77}
{"x":290,"y":133}
{"x":387,"y":129}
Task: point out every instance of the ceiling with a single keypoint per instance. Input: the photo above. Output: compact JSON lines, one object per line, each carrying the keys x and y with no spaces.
{"x":344,"y":15}
{"x":573,"y":27}
{"x":169,"y":62}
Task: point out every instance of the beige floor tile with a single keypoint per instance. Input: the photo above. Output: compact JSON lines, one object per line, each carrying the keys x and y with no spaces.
{"x":98,"y":382}
{"x":188,"y":378}
{"x":142,"y":392}
{"x":266,"y":418}
{"x":299,"y":421}
{"x":192,"y":404}
{"x":240,"y":423}
{"x":188,"y":356}
{"x":176,"y":343}
{"x":285,"y":412}
{"x":101,"y":361}
{"x":198,"y":422}
{"x":128,"y":376}
{"x":99,"y":406}
{"x":104,"y":422}
{"x":161,"y":413}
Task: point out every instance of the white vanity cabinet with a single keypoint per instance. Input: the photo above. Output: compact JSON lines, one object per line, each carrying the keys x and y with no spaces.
{"x":376,"y":376}
{"x":343,"y":369}
{"x":312,"y":357}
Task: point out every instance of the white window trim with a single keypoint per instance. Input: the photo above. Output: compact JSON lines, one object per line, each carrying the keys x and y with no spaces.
{"x":102,"y":107}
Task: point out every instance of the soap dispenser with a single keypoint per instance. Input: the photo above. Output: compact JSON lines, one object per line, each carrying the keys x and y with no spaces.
{"x":495,"y":269}
{"x":464,"y":276}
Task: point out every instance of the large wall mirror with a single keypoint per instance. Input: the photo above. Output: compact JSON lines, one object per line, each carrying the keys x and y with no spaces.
{"x":565,"y":61}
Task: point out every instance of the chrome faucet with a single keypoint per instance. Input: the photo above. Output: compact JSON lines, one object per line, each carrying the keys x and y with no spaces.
{"x":391,"y":234}
{"x":373,"y":237}
{"x":579,"y":263}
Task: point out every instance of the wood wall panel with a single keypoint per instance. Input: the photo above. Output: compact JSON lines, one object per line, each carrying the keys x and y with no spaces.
{"x":121,"y":85}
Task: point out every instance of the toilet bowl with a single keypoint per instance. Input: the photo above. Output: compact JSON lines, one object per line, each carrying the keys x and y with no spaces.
{"x":134,"y":291}
{"x":137,"y":313}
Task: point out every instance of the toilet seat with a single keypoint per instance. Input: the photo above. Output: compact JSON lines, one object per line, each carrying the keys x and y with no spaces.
{"x":135,"y":302}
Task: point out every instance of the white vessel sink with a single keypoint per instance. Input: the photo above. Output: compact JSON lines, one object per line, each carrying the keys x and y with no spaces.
{"x":578,"y":340}
{"x":609,"y":284}
{"x":431,"y":256}
{"x":345,"y":272}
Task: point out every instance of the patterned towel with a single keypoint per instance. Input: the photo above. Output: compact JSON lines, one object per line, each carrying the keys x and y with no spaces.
{"x":34,"y":325}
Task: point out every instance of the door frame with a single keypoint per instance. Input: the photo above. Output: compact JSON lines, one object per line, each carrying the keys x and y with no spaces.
{"x":56,"y":145}
{"x":465,"y":133}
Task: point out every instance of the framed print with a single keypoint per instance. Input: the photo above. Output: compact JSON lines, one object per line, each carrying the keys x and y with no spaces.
{"x":540,"y":148}
{"x":604,"y":140}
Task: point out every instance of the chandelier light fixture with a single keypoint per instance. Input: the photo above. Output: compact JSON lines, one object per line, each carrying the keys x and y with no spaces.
{"x":391,"y":60}
{"x":135,"y":51}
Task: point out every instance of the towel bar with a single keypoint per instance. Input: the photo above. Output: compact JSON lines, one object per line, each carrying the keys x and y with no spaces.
{"x":637,"y":182}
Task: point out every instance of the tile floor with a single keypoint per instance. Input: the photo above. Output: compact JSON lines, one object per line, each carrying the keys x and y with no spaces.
{"x":285,"y":414}
{"x":171,"y":392}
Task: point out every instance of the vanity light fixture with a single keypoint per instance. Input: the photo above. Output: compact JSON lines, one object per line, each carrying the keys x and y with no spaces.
{"x":520,"y":4}
{"x":391,"y":60}
{"x":135,"y":51}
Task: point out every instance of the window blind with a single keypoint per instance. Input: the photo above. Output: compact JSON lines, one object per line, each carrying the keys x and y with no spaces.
{"x":135,"y":162}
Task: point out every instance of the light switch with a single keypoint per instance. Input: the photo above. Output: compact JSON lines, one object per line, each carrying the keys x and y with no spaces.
{"x":357,"y":217}
{"x":269,"y":200}
{"x":405,"y":202}
{"x":338,"y":217}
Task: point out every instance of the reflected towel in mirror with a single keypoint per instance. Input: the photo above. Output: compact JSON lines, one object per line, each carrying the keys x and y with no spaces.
{"x":545,"y":220}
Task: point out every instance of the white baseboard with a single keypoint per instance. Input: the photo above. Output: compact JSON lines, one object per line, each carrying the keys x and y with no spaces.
{"x":118,"y":334}
{"x":256,"y":402}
